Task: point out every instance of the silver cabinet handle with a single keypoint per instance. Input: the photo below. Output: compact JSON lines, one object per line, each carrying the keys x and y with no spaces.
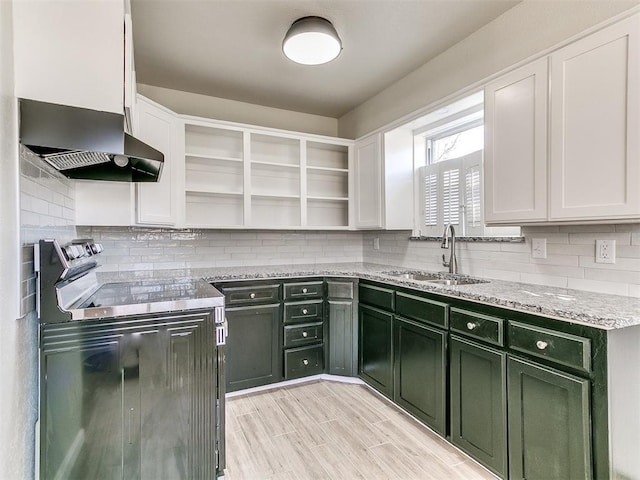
{"x":304,"y":290}
{"x":252,"y":295}
{"x":471,"y":325}
{"x":305,"y":362}
{"x":305,"y":334}
{"x":305,"y":311}
{"x":541,"y":344}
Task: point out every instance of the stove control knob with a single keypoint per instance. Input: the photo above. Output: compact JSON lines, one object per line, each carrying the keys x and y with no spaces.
{"x":70,"y":252}
{"x":99,"y":247}
{"x":80,"y":252}
{"x":95,"y":248}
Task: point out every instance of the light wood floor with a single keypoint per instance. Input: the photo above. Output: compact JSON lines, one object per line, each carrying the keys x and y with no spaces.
{"x":331,"y":430}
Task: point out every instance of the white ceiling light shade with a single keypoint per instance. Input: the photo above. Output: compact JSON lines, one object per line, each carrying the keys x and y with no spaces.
{"x":311,"y":41}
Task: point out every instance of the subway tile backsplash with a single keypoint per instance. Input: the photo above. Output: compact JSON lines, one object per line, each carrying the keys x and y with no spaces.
{"x":570,"y":261}
{"x":47,"y":202}
{"x":129,"y":249}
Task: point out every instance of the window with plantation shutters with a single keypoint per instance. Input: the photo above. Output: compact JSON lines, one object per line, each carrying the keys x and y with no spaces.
{"x":452,"y":191}
{"x":448,"y":145}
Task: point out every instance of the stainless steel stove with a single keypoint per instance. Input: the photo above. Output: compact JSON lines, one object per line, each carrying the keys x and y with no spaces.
{"x":131,"y":373}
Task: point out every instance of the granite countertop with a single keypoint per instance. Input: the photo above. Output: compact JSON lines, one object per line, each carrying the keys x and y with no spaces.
{"x":593,"y":309}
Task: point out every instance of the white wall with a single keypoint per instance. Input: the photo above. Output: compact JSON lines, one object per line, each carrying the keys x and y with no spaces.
{"x":523,"y":31}
{"x":233,"y":111}
{"x":16,"y":409}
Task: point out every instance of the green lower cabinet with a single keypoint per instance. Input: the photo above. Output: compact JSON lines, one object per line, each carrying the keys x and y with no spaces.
{"x":549,"y":423}
{"x":253,"y":353}
{"x":420,"y":372}
{"x":375,"y":349}
{"x":479,"y":403}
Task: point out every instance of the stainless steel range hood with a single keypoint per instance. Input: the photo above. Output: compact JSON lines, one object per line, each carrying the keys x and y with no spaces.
{"x":87,"y":144}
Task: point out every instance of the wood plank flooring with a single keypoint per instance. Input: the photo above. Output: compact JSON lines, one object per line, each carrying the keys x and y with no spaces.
{"x":332,"y":430}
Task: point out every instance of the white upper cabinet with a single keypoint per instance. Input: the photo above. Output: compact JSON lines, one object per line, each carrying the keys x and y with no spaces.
{"x":383,"y":178}
{"x":71,"y":52}
{"x":515,"y":149}
{"x":595,"y":126}
{"x":368,"y":174}
{"x":159,"y":127}
{"x":580,"y":160}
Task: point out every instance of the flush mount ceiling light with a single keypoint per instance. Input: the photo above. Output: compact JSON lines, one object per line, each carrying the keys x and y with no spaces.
{"x":311,"y":41}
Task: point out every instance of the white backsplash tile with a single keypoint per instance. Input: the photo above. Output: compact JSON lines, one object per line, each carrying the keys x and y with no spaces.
{"x":570,"y":262}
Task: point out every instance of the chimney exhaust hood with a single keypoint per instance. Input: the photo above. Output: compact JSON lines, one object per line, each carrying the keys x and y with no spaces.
{"x":87,"y":144}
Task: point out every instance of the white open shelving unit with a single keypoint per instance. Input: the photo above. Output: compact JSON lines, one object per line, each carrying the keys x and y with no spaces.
{"x":238,"y":176}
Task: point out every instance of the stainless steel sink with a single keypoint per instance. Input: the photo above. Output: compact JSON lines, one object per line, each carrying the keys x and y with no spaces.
{"x":436,"y":278}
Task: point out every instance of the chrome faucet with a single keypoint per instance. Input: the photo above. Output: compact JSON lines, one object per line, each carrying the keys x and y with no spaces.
{"x":452,"y":263}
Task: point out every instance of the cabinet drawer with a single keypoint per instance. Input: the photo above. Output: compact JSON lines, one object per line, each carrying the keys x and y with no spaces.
{"x":251,"y":294}
{"x":303,"y":361}
{"x":293,"y":291}
{"x":559,"y":347}
{"x":376,"y":297}
{"x":476,"y":325}
{"x":296,"y":335}
{"x":303,"y":311}
{"x":421,"y":309}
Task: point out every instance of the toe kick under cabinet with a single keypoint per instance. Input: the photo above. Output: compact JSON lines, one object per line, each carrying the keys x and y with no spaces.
{"x":529,"y":397}
{"x":287,"y":329}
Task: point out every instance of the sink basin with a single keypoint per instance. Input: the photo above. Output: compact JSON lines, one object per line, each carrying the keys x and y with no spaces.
{"x":436,"y":278}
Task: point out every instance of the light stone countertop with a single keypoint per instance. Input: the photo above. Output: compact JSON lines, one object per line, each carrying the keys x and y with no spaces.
{"x":593,"y":309}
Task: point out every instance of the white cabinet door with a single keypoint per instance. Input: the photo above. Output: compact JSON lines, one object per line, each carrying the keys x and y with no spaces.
{"x":70,"y":53}
{"x":595,"y":125}
{"x":159,"y":127}
{"x":368,"y":182}
{"x":515,"y":149}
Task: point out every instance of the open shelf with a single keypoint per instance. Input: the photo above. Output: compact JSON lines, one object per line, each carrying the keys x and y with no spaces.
{"x":327,"y":183}
{"x":327,"y":213}
{"x":214,"y":209}
{"x":267,"y":179}
{"x":327,"y":155}
{"x":275,"y":150}
{"x":275,"y":212}
{"x":206,"y":174}
{"x":211,"y":142}
{"x":327,"y":169}
{"x":213,"y":157}
{"x":273,"y":164}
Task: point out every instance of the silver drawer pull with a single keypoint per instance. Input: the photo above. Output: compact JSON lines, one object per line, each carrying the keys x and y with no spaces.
{"x":305,"y":311}
{"x":252,"y":295}
{"x":541,"y":344}
{"x":304,"y":290}
{"x":305,"y":362}
{"x":471,"y":325}
{"x":305,"y":334}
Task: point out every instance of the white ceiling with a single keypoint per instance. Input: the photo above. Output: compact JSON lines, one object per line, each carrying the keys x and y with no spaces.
{"x":232,"y":48}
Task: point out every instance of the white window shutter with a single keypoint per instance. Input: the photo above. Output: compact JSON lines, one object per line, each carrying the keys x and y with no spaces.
{"x":451,"y":190}
{"x":472,"y":168}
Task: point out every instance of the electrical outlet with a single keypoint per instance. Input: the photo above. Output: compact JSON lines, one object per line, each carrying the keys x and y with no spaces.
{"x":539,"y":248}
{"x":605,"y":251}
{"x":376,"y":243}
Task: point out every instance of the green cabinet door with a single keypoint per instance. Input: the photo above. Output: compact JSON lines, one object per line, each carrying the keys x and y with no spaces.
{"x":343,"y":358}
{"x":253,"y":354}
{"x":549,"y":427}
{"x":375,"y":352}
{"x":479,"y":403}
{"x":420,"y":372}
